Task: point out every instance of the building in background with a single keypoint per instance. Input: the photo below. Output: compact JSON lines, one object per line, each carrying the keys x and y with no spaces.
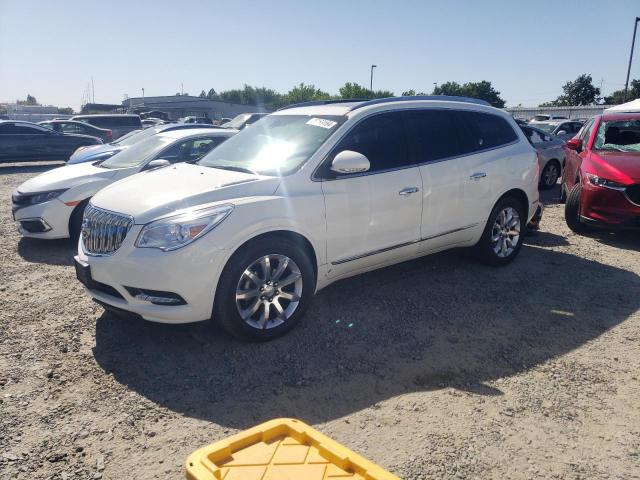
{"x":579,"y":111}
{"x":178,"y":106}
{"x":30,"y":113}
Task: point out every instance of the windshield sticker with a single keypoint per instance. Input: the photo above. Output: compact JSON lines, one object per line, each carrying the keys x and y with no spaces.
{"x":321,"y":122}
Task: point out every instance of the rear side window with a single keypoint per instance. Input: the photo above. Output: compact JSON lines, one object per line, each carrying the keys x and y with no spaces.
{"x":382,"y":139}
{"x":435,"y":135}
{"x":13,"y":129}
{"x":489,"y":131}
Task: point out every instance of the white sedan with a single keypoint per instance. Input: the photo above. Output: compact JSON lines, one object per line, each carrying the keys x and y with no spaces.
{"x":51,"y":205}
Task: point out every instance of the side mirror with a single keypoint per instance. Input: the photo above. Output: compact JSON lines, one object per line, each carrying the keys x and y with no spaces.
{"x":160,"y":162}
{"x":349,"y":161}
{"x":574,"y":144}
{"x":561,"y":132}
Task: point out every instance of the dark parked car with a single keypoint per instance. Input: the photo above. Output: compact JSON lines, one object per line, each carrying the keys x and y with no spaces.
{"x":29,"y":141}
{"x":71,"y":126}
{"x":119,"y":124}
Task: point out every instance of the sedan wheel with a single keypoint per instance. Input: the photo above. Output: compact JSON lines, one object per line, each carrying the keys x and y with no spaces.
{"x":549,"y":176}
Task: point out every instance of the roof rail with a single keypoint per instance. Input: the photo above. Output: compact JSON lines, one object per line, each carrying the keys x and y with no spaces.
{"x":447,"y":98}
{"x":322,"y":102}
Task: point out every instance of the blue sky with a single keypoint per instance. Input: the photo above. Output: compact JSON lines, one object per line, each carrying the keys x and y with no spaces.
{"x":528,"y":50}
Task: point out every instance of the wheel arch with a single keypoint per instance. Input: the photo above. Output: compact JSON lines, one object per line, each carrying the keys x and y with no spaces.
{"x":294,"y":236}
{"x":82,"y":204}
{"x":520,"y":195}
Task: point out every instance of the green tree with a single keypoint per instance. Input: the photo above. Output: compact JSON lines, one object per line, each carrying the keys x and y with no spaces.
{"x":31,"y":100}
{"x":580,"y":91}
{"x":203,"y":94}
{"x":65,"y":111}
{"x":353,"y":90}
{"x":617,"y":97}
{"x":482,"y":90}
{"x":211,"y":94}
{"x":412,"y":93}
{"x":305,"y":93}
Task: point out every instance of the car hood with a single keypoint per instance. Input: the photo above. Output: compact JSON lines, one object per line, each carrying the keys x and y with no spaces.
{"x":622,"y":166}
{"x":156,"y":193}
{"x":65,"y":177}
{"x":88,"y":154}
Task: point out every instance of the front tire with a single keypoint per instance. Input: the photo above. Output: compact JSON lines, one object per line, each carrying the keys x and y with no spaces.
{"x":264,"y":289}
{"x":501,"y":240}
{"x":550,"y":174}
{"x":572,"y":210}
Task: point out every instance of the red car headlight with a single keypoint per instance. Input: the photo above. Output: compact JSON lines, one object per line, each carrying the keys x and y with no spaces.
{"x":605,"y":183}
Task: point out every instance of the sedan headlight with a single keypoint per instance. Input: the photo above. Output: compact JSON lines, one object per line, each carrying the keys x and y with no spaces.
{"x":35,"y":198}
{"x":175,"y":232}
{"x":603,"y":182}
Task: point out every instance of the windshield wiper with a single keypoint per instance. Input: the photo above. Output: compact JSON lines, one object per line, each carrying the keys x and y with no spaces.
{"x":234,"y":169}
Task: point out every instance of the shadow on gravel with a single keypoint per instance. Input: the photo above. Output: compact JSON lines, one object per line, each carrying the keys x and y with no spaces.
{"x":51,"y":252}
{"x":624,"y":239}
{"x":441,"y":321}
{"x":545,"y":239}
{"x":26,"y":168}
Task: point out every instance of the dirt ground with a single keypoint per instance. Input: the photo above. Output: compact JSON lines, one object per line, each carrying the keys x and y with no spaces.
{"x":435,"y":368}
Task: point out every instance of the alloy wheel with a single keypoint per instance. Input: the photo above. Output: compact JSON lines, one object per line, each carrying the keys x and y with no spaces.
{"x":269,"y":291}
{"x":505,"y":234}
{"x":550,"y":175}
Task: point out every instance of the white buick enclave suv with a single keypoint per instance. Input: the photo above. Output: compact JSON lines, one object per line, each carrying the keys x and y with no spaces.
{"x":309,"y":195}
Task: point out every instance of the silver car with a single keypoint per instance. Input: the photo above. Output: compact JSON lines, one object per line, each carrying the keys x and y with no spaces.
{"x":563,"y":129}
{"x":551,"y":155}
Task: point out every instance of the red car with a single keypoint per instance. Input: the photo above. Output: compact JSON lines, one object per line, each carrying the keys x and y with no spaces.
{"x":601,"y":180}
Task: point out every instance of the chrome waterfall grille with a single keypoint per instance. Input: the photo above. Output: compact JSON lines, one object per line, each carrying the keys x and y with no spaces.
{"x":103,"y":231}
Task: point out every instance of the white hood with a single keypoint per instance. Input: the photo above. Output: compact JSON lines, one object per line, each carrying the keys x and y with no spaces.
{"x":65,"y":177}
{"x":149,"y":195}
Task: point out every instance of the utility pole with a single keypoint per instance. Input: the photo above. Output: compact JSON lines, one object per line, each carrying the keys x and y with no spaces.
{"x":371,"y":83}
{"x":633,"y":43}
{"x":93,"y":90}
{"x":182,"y":88}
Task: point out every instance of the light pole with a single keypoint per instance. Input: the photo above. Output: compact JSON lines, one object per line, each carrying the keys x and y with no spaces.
{"x":143,"y":95}
{"x":633,"y":42}
{"x":371,"y":83}
{"x":435,"y":85}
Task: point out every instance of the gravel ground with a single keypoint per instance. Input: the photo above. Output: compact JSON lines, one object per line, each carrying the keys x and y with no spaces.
{"x":435,"y":368}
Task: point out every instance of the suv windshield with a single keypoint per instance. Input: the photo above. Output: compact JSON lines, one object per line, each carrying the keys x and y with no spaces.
{"x":276,"y":145}
{"x":138,"y":153}
{"x":618,"y":136}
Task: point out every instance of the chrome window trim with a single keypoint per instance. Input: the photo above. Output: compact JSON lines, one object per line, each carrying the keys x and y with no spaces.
{"x":315,"y":177}
{"x":400,"y":245}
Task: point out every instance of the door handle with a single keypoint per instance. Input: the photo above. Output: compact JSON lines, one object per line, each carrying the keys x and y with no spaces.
{"x":478,"y":176}
{"x":408,"y":191}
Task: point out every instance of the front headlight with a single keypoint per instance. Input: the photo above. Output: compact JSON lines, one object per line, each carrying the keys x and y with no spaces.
{"x":41,"y":197}
{"x":175,"y":232}
{"x":603,"y":182}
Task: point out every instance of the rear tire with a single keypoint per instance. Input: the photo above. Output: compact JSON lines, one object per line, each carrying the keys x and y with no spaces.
{"x":563,"y":193}
{"x":262,"y":306}
{"x":572,"y":210}
{"x":502,"y":238}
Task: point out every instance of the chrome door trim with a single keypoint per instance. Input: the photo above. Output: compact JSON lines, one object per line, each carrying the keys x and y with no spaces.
{"x":400,"y":245}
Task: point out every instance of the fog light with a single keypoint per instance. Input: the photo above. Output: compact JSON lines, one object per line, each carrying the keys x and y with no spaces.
{"x":156,"y":297}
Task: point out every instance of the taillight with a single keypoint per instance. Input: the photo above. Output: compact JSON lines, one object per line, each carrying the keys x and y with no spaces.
{"x":109,"y":134}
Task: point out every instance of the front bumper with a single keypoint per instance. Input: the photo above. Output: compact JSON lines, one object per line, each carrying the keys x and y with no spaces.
{"x":609,"y":208}
{"x":53,"y":215}
{"x":191,"y":272}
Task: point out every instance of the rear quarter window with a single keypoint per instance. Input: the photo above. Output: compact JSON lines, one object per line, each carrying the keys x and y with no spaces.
{"x":488,"y":130}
